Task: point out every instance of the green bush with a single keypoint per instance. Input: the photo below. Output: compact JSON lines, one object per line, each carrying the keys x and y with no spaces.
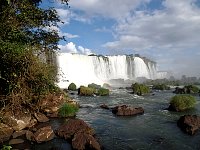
{"x":72,"y":87}
{"x":67,"y":110}
{"x":161,"y":87}
{"x":103,"y":92}
{"x":140,"y":89}
{"x":86,"y":91}
{"x":93,"y":85}
{"x":192,"y":89}
{"x":6,"y":147}
{"x":182,"y":102}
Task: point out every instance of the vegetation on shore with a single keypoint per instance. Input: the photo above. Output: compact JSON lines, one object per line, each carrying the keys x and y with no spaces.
{"x":140,"y":89}
{"x":72,"y":87}
{"x":182,"y":102}
{"x":161,"y":87}
{"x":67,"y":110}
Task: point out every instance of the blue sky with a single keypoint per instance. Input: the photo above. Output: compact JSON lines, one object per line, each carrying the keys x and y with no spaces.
{"x":167,"y":31}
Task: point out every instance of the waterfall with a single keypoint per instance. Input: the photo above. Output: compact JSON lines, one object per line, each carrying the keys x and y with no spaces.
{"x":83,"y":69}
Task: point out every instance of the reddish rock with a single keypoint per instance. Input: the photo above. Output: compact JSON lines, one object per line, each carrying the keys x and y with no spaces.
{"x":16,"y":141}
{"x":41,"y":117}
{"x":44,"y":134}
{"x":18,"y":133}
{"x":29,"y":136}
{"x":189,"y":124}
{"x":125,"y":110}
{"x":84,"y":141}
{"x":104,"y":106}
{"x":73,"y":126}
{"x":5,"y":132}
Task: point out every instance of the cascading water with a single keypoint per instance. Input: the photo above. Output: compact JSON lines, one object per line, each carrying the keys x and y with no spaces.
{"x":83,"y":69}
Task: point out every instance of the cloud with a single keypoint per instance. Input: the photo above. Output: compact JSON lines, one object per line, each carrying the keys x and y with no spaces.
{"x":174,"y":27}
{"x":107,"y":8}
{"x":72,"y":48}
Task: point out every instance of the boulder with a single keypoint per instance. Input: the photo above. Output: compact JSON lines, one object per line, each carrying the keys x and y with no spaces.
{"x":16,"y":141}
{"x":29,"y":136}
{"x":5,"y":132}
{"x":73,"y":126}
{"x":125,"y":110}
{"x":44,"y":134}
{"x":32,"y":123}
{"x":189,"y":124}
{"x":18,"y":133}
{"x":84,"y":141}
{"x":104,"y":106}
{"x":41,"y":117}
{"x":17,"y":120}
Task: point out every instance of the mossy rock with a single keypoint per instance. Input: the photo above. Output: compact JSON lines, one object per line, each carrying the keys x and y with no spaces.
{"x":182,"y":102}
{"x":86,"y":91}
{"x":95,"y":86}
{"x":103,"y":92}
{"x":161,"y":87}
{"x":192,"y":89}
{"x":72,"y":87}
{"x":140,"y":89}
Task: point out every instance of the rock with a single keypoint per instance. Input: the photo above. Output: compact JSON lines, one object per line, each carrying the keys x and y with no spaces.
{"x":41,"y":117}
{"x":17,"y":120}
{"x":84,"y":141}
{"x":18,"y":133}
{"x":73,"y":126}
{"x":32,"y":123}
{"x":125,"y":110}
{"x":189,"y":124}
{"x":16,"y":141}
{"x":5,"y":132}
{"x":29,"y":136}
{"x":104,"y":106}
{"x":44,"y":134}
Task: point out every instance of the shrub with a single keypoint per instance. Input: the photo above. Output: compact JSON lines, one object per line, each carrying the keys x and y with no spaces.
{"x":93,"y":85}
{"x":72,"y":87}
{"x":192,"y":89}
{"x":103,"y":92}
{"x":67,"y":110}
{"x":161,"y":87}
{"x":182,"y":102}
{"x":86,"y":91}
{"x":140,"y":89}
{"x":6,"y":147}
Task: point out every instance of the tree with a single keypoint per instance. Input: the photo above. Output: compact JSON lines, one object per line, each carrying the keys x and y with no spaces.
{"x":24,"y":39}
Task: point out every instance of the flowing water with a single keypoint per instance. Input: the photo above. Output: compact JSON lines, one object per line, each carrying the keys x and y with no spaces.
{"x":156,"y":129}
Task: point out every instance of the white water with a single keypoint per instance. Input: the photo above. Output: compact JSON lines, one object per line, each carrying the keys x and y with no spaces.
{"x":83,"y":69}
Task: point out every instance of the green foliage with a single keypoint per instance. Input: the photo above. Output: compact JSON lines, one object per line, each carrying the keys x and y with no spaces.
{"x":182,"y":102}
{"x":103,"y":92}
{"x":94,"y":86}
{"x":161,"y":87}
{"x":72,"y":87}
{"x":140,"y":89}
{"x":6,"y":147}
{"x":86,"y":91}
{"x":192,"y":89}
{"x":67,"y":110}
{"x":27,"y":51}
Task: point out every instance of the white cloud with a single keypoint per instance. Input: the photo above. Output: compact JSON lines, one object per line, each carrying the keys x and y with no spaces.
{"x":68,"y":48}
{"x":72,"y":48}
{"x":107,"y":8}
{"x":65,"y":15}
{"x":177,"y":26}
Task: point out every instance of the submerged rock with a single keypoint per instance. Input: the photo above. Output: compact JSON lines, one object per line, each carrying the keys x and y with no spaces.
{"x":5,"y":132}
{"x":189,"y":124}
{"x":29,"y":136}
{"x":44,"y":134}
{"x":104,"y":106}
{"x":125,"y":110}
